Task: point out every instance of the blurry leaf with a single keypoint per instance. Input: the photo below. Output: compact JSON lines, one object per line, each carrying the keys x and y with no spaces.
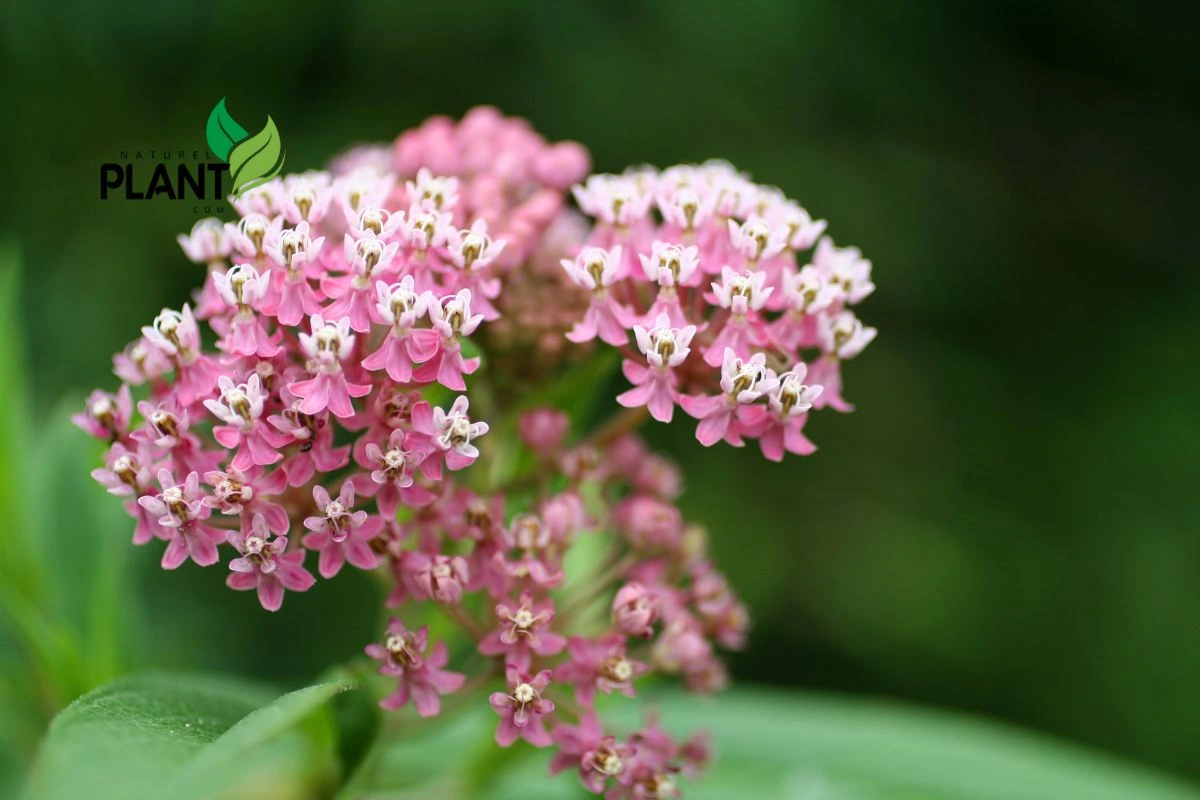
{"x":86,"y":541}
{"x":780,"y":745}
{"x":222,"y":131}
{"x":14,"y":428}
{"x":256,"y":160}
{"x":189,"y":737}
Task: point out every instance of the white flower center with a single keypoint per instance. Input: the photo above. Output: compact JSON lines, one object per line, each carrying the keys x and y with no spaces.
{"x":524,"y":693}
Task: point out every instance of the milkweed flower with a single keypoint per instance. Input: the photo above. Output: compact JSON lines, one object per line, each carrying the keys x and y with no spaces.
{"x":377,"y":327}
{"x":420,"y":676}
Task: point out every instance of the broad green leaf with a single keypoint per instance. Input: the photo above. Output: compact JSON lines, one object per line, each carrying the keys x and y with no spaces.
{"x":784,"y":745}
{"x":222,"y":131}
{"x":190,"y":737}
{"x":254,"y":161}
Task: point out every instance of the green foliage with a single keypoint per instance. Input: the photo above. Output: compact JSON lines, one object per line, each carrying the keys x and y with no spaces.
{"x":190,"y":737}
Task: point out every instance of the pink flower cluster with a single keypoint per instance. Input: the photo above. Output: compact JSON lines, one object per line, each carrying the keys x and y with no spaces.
{"x":332,"y":417}
{"x":701,"y":265}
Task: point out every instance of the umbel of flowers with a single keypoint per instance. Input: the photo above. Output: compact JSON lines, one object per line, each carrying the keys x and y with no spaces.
{"x":341,"y":419}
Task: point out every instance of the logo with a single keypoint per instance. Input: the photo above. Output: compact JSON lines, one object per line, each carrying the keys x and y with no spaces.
{"x":187,"y":172}
{"x":253,"y":160}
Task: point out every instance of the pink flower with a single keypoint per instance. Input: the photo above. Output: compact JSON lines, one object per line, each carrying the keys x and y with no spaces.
{"x":339,"y":534}
{"x":316,"y":452}
{"x":521,"y":708}
{"x":291,"y":297}
{"x":585,"y":747}
{"x":421,"y":678}
{"x":206,"y":243}
{"x":126,"y":472}
{"x":634,"y":611}
{"x":177,"y":336}
{"x":841,"y":336}
{"x":180,"y":515}
{"x":244,"y":332}
{"x":780,"y":425}
{"x":670,"y":266}
{"x":845,"y":269}
{"x":328,"y":345}
{"x":392,"y":472}
{"x":756,"y":240}
{"x":744,"y":296}
{"x":265,"y":565}
{"x":599,"y":664}
{"x":370,"y":259}
{"x":742,"y":382}
{"x":438,"y":349}
{"x":240,"y":407}
{"x":106,"y":416}
{"x":649,"y":523}
{"x":441,"y":578}
{"x":595,"y":269}
{"x":543,"y":429}
{"x":400,"y":307}
{"x":523,"y":632}
{"x":439,"y":433}
{"x":654,"y":385}
{"x":244,"y":494}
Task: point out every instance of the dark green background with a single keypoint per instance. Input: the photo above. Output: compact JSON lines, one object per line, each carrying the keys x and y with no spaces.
{"x":1007,"y":525}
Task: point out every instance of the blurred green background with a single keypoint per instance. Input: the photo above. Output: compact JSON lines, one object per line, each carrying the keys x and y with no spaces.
{"x":1008,"y":523}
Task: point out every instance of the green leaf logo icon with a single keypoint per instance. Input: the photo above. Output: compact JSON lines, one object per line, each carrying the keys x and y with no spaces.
{"x":223,"y":131}
{"x":257,"y":159}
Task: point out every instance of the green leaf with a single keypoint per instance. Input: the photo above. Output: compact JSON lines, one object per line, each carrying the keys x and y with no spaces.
{"x":87,"y":542}
{"x":197,"y":737}
{"x":254,"y":161}
{"x":222,"y":131}
{"x":788,"y":745}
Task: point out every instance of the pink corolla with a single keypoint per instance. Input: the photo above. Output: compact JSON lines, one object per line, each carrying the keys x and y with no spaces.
{"x":398,"y":306}
{"x":595,"y":269}
{"x":841,"y":336}
{"x":167,"y":427}
{"x":779,"y":426}
{"x":245,"y":495}
{"x":441,"y":578}
{"x":295,"y":253}
{"x":106,"y":416}
{"x":265,"y":564}
{"x":665,"y":348}
{"x":421,"y":678}
{"x":446,"y":435}
{"x":599,"y":664}
{"x":326,"y":347}
{"x":240,"y":407}
{"x":244,"y":332}
{"x":522,"y":708}
{"x":671,"y":266}
{"x":392,"y":469}
{"x":340,"y":534}
{"x":438,"y":350}
{"x":756,"y":240}
{"x":177,"y":336}
{"x":180,"y":515}
{"x":369,"y":259}
{"x":523,"y":632}
{"x":635,"y":610}
{"x":597,"y":757}
{"x":742,"y":382}
{"x":744,"y":295}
